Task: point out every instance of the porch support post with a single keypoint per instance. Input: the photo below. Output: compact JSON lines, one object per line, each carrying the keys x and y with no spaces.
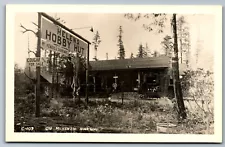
{"x":94,"y":84}
{"x":139,"y":79}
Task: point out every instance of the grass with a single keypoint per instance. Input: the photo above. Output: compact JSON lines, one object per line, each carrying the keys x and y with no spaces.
{"x":134,"y":116}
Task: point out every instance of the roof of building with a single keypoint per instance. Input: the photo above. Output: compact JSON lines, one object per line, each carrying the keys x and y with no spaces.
{"x":135,"y":63}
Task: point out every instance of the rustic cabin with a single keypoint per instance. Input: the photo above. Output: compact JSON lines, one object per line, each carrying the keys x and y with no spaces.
{"x":150,"y":76}
{"x":144,"y":75}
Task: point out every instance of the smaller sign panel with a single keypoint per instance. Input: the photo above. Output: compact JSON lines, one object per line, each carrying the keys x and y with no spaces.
{"x":37,"y":61}
{"x":33,"y":61}
{"x":115,"y":77}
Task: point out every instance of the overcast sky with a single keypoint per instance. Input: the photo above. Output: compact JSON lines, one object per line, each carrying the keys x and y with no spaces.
{"x":201,"y":26}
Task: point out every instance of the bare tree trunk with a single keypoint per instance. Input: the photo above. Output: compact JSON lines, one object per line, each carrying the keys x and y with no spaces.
{"x":176,"y":79}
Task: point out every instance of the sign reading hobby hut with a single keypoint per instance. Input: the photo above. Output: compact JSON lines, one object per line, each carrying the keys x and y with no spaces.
{"x":58,"y":39}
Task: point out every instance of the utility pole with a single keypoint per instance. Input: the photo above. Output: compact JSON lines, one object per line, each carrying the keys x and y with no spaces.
{"x":176,"y":79}
{"x":38,"y":68}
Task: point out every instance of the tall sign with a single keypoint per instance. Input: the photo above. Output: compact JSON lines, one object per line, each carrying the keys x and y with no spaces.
{"x":58,"y":39}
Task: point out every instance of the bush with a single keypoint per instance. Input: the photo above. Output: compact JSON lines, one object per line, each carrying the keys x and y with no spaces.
{"x":198,"y":87}
{"x":25,"y":105}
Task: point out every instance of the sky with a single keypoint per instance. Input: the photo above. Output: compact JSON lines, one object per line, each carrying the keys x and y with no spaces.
{"x":107,"y":24}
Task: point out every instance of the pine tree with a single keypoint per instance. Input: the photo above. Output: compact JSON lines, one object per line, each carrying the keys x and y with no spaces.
{"x":155,"y":53}
{"x":141,"y":52}
{"x":147,"y":51}
{"x":96,"y":41}
{"x":121,"y":52}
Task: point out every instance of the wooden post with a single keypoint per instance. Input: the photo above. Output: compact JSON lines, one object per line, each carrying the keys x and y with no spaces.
{"x":38,"y":68}
{"x":167,"y":80}
{"x":139,"y":79}
{"x":94,"y":84}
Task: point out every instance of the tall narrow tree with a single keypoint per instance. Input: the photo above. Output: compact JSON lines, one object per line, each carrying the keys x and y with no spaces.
{"x":176,"y":78}
{"x":96,"y":41}
{"x":147,"y":50}
{"x":155,"y":53}
{"x":141,"y":51}
{"x":121,"y":52}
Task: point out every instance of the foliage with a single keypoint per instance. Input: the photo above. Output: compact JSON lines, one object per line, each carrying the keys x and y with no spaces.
{"x":120,"y":44}
{"x":183,"y":35}
{"x":167,"y":45}
{"x":72,"y":66}
{"x":198,"y":86}
{"x":24,"y":105}
{"x":157,"y":21}
{"x":22,"y":84}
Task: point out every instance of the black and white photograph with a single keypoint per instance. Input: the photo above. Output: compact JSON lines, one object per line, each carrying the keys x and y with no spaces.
{"x":89,"y":73}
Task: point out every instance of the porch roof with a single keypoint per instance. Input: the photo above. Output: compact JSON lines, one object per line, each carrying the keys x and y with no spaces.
{"x":135,"y":63}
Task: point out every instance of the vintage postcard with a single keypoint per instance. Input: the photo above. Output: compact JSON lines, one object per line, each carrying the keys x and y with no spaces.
{"x":113,"y":73}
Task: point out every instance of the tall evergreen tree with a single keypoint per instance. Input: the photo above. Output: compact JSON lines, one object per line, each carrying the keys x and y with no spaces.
{"x":141,"y":52}
{"x":96,"y":41}
{"x":121,"y":52}
{"x":147,"y":50}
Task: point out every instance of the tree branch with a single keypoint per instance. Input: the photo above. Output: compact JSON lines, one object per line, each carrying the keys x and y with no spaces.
{"x":34,"y":24}
{"x":30,"y":51}
{"x":33,"y":80}
{"x":28,"y":30}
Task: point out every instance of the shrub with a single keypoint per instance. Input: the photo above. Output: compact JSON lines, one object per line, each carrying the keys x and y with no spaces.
{"x":25,"y":105}
{"x":198,"y":87}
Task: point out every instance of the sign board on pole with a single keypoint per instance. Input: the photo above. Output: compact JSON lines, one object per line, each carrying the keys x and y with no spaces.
{"x":37,"y":61}
{"x":33,"y":61}
{"x":58,"y":39}
{"x":115,"y":77}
